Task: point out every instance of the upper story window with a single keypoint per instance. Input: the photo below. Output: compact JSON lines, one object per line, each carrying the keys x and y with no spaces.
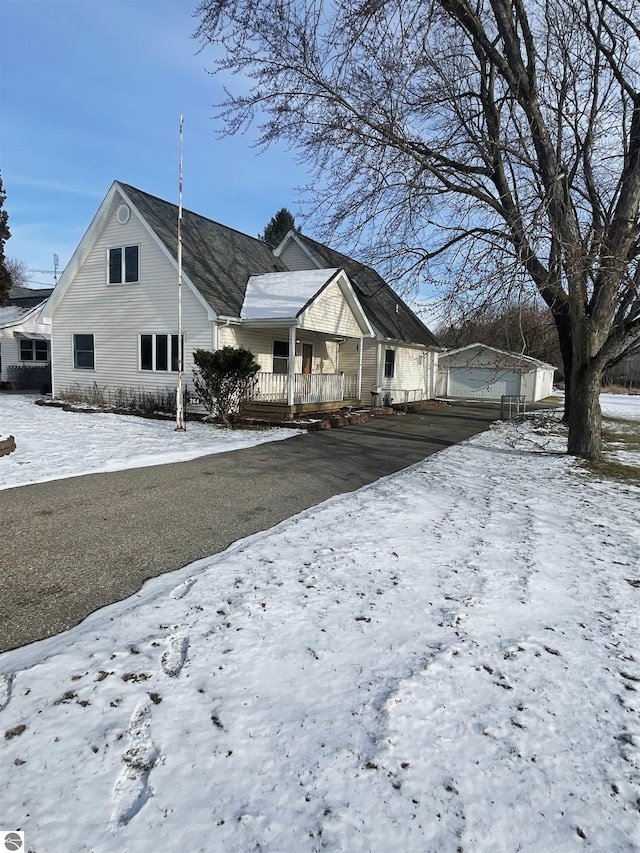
{"x":34,"y":350}
{"x":389,"y":363}
{"x":123,"y":265}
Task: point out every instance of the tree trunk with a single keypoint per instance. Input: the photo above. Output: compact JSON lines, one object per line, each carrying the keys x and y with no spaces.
{"x":563,"y":327}
{"x":584,"y":416}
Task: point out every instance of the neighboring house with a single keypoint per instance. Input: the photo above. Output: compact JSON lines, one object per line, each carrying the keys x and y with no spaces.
{"x":25,"y":349}
{"x":400,"y":362}
{"x":478,"y":371}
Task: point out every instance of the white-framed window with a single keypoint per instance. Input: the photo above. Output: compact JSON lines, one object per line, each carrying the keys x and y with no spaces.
{"x":281,"y":357}
{"x":389,"y":363}
{"x":34,"y":351}
{"x":84,"y":352}
{"x":124,"y":265}
{"x":160,"y":352}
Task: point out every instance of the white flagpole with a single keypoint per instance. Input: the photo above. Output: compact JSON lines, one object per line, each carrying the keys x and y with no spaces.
{"x":179,"y":401}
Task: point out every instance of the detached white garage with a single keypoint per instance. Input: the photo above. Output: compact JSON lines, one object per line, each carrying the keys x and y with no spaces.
{"x":481,"y":372}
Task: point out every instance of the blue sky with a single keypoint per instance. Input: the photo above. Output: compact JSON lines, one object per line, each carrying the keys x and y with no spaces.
{"x":91,"y":91}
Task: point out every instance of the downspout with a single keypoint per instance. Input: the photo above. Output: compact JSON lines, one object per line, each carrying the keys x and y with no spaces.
{"x":53,"y":396}
{"x":433,"y":375}
{"x":359,"y":387}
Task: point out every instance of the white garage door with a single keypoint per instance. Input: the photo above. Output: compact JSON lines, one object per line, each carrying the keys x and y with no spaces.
{"x":483,"y":382}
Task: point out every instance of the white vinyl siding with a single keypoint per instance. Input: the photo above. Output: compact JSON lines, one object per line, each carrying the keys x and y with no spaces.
{"x":296,"y":259}
{"x":9,"y":343}
{"x":119,"y":315}
{"x":9,"y":352}
{"x":260,"y":342}
{"x":413,"y":369}
{"x":411,"y":372}
{"x":330,"y":313}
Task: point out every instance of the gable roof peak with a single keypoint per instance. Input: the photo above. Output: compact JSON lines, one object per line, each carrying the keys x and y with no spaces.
{"x":386,"y":310}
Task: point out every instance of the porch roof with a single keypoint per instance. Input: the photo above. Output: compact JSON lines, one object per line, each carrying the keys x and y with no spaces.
{"x":282,"y":294}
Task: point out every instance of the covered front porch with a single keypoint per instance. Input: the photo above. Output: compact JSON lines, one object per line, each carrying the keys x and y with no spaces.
{"x":295,"y":323}
{"x":278,"y":398}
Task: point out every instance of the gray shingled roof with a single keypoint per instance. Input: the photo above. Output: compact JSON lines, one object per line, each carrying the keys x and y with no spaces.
{"x":385,"y":310}
{"x":217,"y":259}
{"x":28,"y":297}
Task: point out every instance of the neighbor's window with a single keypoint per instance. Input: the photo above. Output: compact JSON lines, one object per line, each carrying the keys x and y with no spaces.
{"x":281,"y":356}
{"x":123,"y":265}
{"x":389,"y":363}
{"x":83,"y":352}
{"x":34,"y":351}
{"x":157,"y":351}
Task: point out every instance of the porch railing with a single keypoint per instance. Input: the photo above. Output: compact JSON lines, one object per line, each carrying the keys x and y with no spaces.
{"x":307,"y":388}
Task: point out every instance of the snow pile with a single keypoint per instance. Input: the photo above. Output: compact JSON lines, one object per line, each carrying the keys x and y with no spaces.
{"x":446,"y":660}
{"x":52,"y":443}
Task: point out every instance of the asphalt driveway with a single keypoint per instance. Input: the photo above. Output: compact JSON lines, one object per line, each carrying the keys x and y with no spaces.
{"x":71,"y":546}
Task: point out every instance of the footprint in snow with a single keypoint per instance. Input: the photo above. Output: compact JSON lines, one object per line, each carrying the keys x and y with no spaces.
{"x":182,"y":589}
{"x":175,"y":654}
{"x":6,"y":682}
{"x":131,"y":790}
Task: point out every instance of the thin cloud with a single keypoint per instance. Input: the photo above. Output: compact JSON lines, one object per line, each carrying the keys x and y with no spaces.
{"x":55,"y":186}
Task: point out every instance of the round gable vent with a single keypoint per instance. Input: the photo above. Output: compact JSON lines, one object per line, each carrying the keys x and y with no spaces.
{"x":123,"y":214}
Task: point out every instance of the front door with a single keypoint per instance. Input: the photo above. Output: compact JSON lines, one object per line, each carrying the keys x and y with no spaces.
{"x":307,"y":358}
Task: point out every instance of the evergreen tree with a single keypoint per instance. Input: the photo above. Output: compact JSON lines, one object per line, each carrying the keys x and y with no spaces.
{"x":5,"y":276}
{"x":278,"y":227}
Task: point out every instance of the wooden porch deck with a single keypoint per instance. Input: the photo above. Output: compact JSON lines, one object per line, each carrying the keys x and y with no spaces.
{"x":281,"y":412}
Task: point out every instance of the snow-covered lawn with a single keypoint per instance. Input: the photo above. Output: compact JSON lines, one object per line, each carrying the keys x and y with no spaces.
{"x":446,"y":660}
{"x":52,"y":444}
{"x":620,"y":406}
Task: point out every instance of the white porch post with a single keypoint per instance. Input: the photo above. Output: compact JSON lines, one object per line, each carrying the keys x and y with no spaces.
{"x":359,"y":388}
{"x":292,"y":365}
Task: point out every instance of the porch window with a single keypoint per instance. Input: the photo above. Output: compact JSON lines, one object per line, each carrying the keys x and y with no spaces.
{"x":34,"y":351}
{"x":281,"y":357}
{"x":123,"y":265}
{"x":83,"y":352}
{"x":156,"y":350}
{"x":389,"y":363}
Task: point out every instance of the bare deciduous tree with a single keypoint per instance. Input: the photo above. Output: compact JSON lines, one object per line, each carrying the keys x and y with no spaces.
{"x":528,"y":329}
{"x":487,"y":144}
{"x":5,"y":233}
{"x":18,"y":272}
